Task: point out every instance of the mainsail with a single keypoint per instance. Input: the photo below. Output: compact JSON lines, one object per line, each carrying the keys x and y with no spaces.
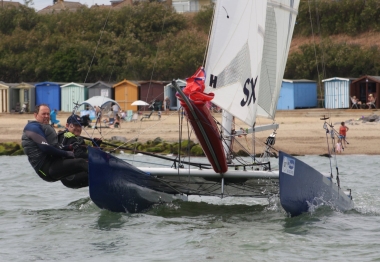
{"x":247,"y":54}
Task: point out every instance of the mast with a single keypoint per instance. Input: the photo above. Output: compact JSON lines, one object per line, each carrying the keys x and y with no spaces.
{"x":227,"y":123}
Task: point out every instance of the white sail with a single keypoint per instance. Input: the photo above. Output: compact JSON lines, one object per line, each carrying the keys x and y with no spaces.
{"x":247,"y":55}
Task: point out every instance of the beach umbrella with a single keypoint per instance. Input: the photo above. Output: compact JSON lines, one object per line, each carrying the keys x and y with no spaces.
{"x":139,"y":103}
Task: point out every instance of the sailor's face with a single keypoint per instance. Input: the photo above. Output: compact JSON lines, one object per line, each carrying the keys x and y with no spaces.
{"x":43,"y":115}
{"x":75,"y":129}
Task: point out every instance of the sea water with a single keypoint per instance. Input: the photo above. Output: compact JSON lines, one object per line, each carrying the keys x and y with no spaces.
{"x":42,"y":221}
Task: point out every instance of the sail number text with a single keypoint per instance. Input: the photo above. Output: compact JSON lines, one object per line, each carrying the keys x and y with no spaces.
{"x":249,"y":92}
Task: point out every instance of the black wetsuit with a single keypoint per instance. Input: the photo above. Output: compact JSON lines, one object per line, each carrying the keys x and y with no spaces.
{"x":66,"y":138}
{"x":50,"y":162}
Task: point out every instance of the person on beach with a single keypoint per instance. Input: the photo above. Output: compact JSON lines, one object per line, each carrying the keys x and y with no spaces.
{"x":115,"y":110}
{"x":167,"y":105}
{"x":159,"y":115}
{"x":343,"y":132}
{"x":40,"y":143}
{"x":115,"y":123}
{"x":98,"y":114}
{"x":371,"y":101}
{"x":356,"y":100}
{"x":338,"y":146}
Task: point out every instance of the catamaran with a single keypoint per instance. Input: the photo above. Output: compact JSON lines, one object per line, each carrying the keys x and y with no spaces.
{"x":246,"y":58}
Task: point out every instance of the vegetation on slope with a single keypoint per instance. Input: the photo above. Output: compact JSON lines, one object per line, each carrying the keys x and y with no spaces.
{"x":149,"y":40}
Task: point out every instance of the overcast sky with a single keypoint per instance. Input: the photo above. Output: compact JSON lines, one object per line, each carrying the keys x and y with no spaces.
{"x":40,"y":4}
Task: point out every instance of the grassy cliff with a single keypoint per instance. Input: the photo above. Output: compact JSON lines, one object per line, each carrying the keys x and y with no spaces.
{"x":331,"y":38}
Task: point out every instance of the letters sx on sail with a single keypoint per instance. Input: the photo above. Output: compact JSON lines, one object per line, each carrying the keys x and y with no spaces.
{"x":247,"y":55}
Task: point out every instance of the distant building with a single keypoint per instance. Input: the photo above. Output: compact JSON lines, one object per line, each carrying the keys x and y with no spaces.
{"x":118,"y":4}
{"x":170,"y":91}
{"x":9,"y":4}
{"x":300,"y":93}
{"x":61,"y":5}
{"x":126,"y":92}
{"x":364,"y":86}
{"x":337,"y":92}
{"x":183,"y":6}
{"x":101,"y":88}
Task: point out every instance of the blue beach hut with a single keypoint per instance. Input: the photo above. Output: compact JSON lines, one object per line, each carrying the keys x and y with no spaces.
{"x":337,"y":92}
{"x":49,"y":93}
{"x":170,"y":91}
{"x":295,"y":94}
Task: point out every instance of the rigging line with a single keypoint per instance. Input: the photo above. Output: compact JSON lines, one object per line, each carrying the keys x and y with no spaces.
{"x":209,"y":36}
{"x":188,"y":142}
{"x":333,"y":146}
{"x":113,"y":66}
{"x":315,"y":49}
{"x":155,"y":61}
{"x":230,"y":148}
{"x":325,"y":126}
{"x":321,"y":45}
{"x":118,"y":52}
{"x":323,"y":62}
{"x":180,"y":119}
{"x":100,"y":37}
{"x":254,"y":146}
{"x":136,"y":138}
{"x":240,"y":144}
{"x":158,"y":48}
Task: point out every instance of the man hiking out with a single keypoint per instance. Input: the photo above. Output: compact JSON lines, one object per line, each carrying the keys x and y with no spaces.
{"x":40,"y":143}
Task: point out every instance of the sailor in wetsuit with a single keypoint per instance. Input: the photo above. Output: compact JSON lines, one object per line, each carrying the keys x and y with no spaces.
{"x":40,"y":143}
{"x":71,"y":137}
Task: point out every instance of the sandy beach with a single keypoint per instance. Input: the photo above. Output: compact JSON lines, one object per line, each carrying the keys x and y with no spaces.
{"x":300,"y":132}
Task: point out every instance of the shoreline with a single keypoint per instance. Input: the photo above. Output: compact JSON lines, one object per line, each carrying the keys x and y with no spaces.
{"x":300,"y":132}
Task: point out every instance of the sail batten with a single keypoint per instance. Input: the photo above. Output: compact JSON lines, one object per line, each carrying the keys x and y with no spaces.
{"x":247,"y":55}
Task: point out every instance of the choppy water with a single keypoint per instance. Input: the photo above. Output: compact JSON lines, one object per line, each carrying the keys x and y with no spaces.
{"x":42,"y":221}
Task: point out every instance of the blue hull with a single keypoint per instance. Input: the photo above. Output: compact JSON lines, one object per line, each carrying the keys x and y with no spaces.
{"x":302,"y":185}
{"x":118,"y":186}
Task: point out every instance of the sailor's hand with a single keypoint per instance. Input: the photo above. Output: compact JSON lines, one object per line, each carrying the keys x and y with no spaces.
{"x":75,"y":145}
{"x":96,"y":141}
{"x":70,"y":154}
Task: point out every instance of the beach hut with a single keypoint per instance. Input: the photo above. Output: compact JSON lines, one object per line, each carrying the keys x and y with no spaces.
{"x":152,"y":91}
{"x":72,"y":93}
{"x":4,"y":98}
{"x":364,"y":86}
{"x":301,"y":93}
{"x":101,"y":88}
{"x":170,"y":91}
{"x":23,"y":93}
{"x":337,"y":92}
{"x":126,"y":92}
{"x":49,"y":93}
